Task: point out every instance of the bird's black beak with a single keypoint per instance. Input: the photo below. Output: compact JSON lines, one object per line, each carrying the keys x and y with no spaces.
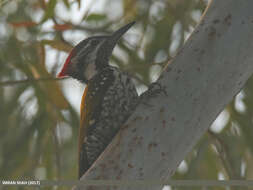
{"x":116,"y":35}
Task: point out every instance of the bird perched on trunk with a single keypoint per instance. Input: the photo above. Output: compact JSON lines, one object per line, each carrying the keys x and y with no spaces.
{"x":108,"y":99}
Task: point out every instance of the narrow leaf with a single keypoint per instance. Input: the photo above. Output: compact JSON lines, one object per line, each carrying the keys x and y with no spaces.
{"x":96,"y":17}
{"x":50,"y":88}
{"x":57,"y":44}
{"x":49,"y":10}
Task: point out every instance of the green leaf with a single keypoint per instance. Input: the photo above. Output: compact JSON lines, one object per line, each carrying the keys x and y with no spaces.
{"x":96,"y":17}
{"x":57,"y":44}
{"x":49,"y":12}
{"x":66,"y":3}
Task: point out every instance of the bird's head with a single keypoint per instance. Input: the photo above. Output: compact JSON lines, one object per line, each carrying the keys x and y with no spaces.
{"x":91,"y":55}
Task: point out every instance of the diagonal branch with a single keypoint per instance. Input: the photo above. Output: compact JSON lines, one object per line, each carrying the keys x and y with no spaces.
{"x":210,"y":69}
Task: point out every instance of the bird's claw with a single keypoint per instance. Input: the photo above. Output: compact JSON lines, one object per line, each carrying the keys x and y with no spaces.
{"x":154,"y":89}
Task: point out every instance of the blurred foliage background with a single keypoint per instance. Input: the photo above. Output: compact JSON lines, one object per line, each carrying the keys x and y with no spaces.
{"x":39,"y":114}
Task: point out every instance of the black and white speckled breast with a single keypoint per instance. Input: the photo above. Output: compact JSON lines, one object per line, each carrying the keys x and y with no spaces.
{"x":115,"y":98}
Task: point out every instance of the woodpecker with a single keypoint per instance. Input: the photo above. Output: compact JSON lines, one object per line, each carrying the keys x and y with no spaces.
{"x":108,"y":99}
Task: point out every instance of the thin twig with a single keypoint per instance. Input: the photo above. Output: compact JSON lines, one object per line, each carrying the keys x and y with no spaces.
{"x":29,"y":80}
{"x":86,"y":14}
{"x":58,"y":155}
{"x":223,"y":152}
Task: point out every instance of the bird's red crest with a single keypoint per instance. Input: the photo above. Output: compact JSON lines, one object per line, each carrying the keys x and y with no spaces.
{"x":64,"y":71}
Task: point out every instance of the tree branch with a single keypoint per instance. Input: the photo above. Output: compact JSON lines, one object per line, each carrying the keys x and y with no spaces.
{"x":29,"y":80}
{"x":210,"y":69}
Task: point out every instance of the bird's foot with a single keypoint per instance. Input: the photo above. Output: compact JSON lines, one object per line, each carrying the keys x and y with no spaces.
{"x":154,"y":90}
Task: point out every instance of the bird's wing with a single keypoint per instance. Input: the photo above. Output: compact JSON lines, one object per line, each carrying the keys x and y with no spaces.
{"x":82,"y":156}
{"x":90,"y":111}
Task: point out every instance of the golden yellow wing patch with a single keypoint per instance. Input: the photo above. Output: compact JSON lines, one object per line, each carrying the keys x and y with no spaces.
{"x":83,"y":120}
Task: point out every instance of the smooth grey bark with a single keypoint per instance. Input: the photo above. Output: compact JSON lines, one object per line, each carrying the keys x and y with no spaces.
{"x":206,"y":74}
